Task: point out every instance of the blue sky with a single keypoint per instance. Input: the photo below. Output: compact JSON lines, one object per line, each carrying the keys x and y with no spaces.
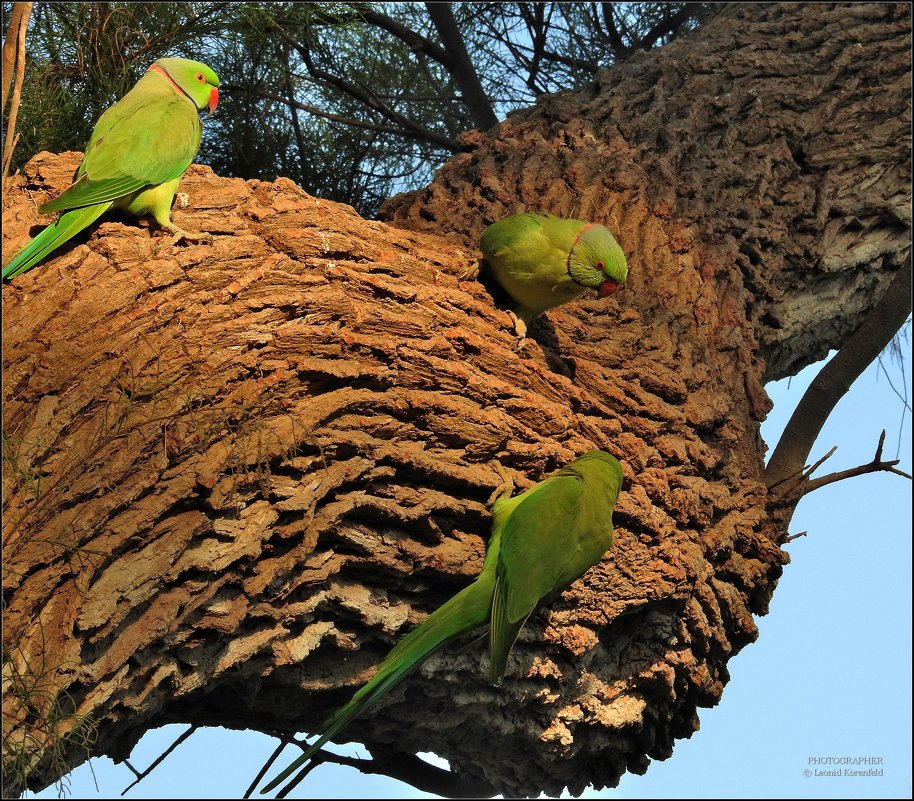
{"x":830,"y":675}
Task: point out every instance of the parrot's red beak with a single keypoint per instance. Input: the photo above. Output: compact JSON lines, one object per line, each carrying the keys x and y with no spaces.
{"x":607,"y":288}
{"x":213,"y":99}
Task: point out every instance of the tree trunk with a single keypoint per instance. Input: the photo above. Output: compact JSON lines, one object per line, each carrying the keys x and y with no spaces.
{"x":13,"y":65}
{"x":234,"y":474}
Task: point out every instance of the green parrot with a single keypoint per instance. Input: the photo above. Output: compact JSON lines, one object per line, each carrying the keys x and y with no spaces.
{"x":541,"y":542}
{"x":135,"y":158}
{"x":543,"y":261}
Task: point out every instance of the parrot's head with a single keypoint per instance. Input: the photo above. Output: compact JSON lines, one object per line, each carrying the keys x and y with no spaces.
{"x":192,"y":78}
{"x":601,"y":467}
{"x":597,"y":261}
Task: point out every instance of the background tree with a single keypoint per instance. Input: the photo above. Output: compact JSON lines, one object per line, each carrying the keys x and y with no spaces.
{"x":229,"y":467}
{"x":352,"y":101}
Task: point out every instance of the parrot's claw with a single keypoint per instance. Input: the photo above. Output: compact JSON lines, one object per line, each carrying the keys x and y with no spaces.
{"x":182,"y":200}
{"x":520,"y":329}
{"x":179,"y":235}
{"x":471,"y":273}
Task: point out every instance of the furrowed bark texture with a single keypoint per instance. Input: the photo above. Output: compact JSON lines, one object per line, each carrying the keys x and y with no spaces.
{"x":235,"y":474}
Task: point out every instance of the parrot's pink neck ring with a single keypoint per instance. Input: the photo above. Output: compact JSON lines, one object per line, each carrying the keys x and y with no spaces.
{"x":157,"y":68}
{"x":573,"y":244}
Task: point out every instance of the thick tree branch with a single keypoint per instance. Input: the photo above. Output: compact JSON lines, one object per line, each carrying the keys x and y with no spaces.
{"x":416,"y":42}
{"x":465,"y":75}
{"x":669,"y":25}
{"x":835,"y":379}
{"x":620,"y":49}
{"x":12,"y":44}
{"x":13,"y":64}
{"x":335,"y":392}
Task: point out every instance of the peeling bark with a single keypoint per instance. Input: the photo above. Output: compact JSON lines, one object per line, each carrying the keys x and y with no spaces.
{"x":234,"y":474}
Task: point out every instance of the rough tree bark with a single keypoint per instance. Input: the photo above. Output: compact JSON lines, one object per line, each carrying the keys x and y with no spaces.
{"x":235,"y":473}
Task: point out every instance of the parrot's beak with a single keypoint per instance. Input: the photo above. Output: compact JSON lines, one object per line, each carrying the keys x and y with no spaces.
{"x":607,"y":288}
{"x":213,"y":99}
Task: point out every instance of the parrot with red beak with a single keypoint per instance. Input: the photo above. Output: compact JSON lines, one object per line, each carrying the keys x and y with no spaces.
{"x":135,"y":158}
{"x":543,"y":261}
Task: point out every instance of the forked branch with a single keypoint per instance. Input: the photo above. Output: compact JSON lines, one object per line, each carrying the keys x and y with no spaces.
{"x":399,"y":765}
{"x":140,"y":775}
{"x":876,"y":465}
{"x":794,"y":487}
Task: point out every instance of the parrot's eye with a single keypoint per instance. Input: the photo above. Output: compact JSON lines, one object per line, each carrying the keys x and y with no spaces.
{"x":199,"y":77}
{"x":600,"y":266}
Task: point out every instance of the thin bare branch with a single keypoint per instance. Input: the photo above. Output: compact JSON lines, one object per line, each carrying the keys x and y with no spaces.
{"x":875,"y":466}
{"x":415,"y":41}
{"x":799,"y":484}
{"x":395,"y":764}
{"x":415,"y":130}
{"x":159,"y":759}
{"x":797,"y":477}
{"x":409,"y":133}
{"x":284,"y":740}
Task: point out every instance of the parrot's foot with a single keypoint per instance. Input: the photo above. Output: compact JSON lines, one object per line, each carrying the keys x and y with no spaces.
{"x":471,"y":273}
{"x":520,"y":330}
{"x":504,"y":490}
{"x":179,"y":235}
{"x":182,"y":200}
{"x":520,"y":327}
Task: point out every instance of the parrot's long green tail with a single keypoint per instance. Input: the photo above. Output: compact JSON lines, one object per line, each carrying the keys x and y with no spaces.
{"x":68,"y":224}
{"x":467,"y":610}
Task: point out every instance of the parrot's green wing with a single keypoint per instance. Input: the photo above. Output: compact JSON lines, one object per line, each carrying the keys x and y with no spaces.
{"x":149,"y":137}
{"x":85,"y":192}
{"x":537,"y":558}
{"x":514,"y":233}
